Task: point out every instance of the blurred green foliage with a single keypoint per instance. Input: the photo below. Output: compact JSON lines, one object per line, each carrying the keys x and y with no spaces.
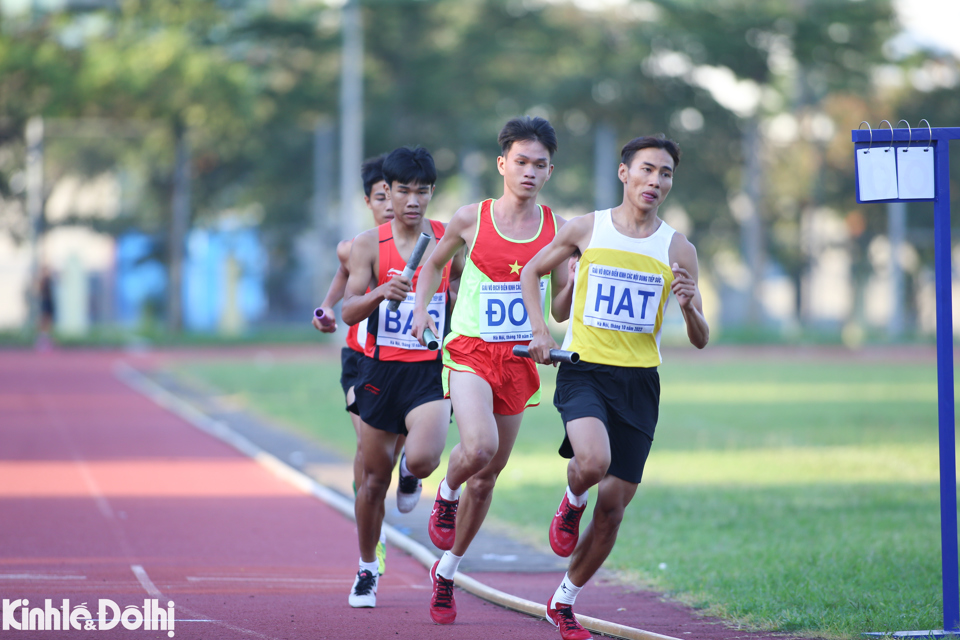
{"x":250,"y":81}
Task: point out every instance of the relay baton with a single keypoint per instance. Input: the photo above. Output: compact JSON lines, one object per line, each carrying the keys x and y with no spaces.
{"x":432,"y":343}
{"x":556,"y":355}
{"x":322,"y":316}
{"x":412,"y":264}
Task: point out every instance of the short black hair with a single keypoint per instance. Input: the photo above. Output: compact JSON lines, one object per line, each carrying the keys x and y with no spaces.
{"x":527,"y":128}
{"x":409,"y":165}
{"x":371,"y":171}
{"x":658,"y":141}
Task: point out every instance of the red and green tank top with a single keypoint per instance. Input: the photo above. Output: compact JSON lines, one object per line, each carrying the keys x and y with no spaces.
{"x":489,"y":303}
{"x":389,"y":334}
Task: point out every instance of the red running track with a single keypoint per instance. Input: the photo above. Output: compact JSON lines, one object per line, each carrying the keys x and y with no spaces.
{"x":105,"y":496}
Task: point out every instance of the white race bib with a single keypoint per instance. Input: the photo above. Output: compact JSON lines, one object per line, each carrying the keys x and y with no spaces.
{"x":393,"y":327}
{"x":503,"y":318}
{"x":622,"y":299}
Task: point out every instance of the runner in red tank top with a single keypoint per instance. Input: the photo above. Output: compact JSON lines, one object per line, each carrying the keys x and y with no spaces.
{"x":377,"y":198}
{"x":399,"y":392}
{"x":489,"y":387}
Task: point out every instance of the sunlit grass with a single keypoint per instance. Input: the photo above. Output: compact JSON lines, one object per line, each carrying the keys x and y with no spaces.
{"x":791,"y":496}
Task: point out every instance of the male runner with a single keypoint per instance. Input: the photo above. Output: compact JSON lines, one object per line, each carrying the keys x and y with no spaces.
{"x":377,"y":198}
{"x":399,"y":391}
{"x":609,"y":402}
{"x":488,"y":385}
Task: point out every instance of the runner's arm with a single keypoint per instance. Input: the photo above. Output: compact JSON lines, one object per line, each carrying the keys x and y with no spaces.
{"x":357,"y":302}
{"x":337,"y":287}
{"x":561,"y":284}
{"x":574,"y":235}
{"x":456,"y":270}
{"x":560,"y":308}
{"x":431,"y":273}
{"x":686,"y":272}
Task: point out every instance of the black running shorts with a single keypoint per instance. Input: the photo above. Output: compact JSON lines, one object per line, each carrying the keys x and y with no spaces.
{"x":625,"y":399}
{"x":349,"y":368}
{"x":389,"y":390}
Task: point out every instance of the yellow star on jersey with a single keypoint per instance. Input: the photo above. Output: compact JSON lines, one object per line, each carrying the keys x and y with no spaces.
{"x":515,"y":267}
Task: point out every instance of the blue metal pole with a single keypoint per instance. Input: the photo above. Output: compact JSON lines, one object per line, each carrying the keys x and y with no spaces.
{"x":948,"y":463}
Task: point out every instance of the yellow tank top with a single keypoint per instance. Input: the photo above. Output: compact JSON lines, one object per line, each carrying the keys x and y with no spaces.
{"x":620,"y":291}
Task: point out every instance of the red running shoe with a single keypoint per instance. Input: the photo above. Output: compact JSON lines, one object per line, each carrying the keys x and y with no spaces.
{"x":565,"y":528}
{"x":443,"y":523}
{"x":562,"y":617}
{"x":443,"y":608}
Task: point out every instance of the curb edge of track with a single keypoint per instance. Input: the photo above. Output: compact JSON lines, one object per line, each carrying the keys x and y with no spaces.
{"x":136,"y":380}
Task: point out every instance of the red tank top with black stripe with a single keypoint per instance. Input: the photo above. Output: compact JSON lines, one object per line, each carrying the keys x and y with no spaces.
{"x":389,"y":336}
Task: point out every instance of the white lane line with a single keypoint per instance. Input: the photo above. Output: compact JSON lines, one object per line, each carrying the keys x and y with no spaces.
{"x":255,"y":579}
{"x":145,"y":581}
{"x":102,"y":505}
{"x":38,"y":576}
{"x":152,"y":590}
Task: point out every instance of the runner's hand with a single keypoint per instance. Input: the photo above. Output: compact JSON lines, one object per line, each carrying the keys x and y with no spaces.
{"x":396,"y":288}
{"x":421,"y":321}
{"x":539,"y":348}
{"x":683,"y":286}
{"x":328,"y":328}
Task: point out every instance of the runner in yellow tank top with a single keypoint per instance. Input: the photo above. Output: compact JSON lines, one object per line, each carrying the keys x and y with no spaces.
{"x":489,"y":386}
{"x":631,"y":261}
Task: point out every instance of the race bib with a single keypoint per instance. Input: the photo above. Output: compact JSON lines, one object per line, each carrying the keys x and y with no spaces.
{"x":503,"y":318}
{"x":622,"y":299}
{"x":393,"y":329}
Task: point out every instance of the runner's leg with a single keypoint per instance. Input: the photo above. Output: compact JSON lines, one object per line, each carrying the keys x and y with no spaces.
{"x":378,"y":460}
{"x":478,"y":494}
{"x":479,"y":440}
{"x":358,"y":456}
{"x":596,"y":543}
{"x":591,"y":449}
{"x":427,"y":427}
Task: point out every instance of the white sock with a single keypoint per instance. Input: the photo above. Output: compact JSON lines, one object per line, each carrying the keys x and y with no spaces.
{"x":448,"y":565}
{"x":372,"y":567}
{"x":447,"y":493}
{"x":575,"y":500}
{"x":566,"y":592}
{"x":383,"y":535}
{"x":403,"y":466}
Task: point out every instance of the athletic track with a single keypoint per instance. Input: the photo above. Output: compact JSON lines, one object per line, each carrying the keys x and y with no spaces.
{"x":105,"y":495}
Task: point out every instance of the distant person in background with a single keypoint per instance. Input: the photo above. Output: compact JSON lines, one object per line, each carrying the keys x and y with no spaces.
{"x":377,"y":197}
{"x":48,"y":310}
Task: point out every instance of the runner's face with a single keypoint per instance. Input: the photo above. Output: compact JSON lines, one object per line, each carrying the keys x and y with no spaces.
{"x":410,"y":201}
{"x":525,"y":168}
{"x":648,"y":179}
{"x":379,"y":203}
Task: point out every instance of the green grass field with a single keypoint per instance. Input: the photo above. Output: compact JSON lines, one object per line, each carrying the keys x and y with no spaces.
{"x":793,"y":496}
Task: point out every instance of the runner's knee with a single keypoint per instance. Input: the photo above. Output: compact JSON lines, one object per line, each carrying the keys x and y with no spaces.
{"x":375,"y":484}
{"x":422,"y":465}
{"x":477,"y":457}
{"x":481,"y":485}
{"x":592,"y":466}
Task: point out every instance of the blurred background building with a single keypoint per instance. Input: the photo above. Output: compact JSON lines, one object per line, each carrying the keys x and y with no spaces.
{"x":189,"y":165}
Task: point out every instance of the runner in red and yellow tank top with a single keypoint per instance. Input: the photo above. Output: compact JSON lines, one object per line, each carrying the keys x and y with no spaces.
{"x":399,"y":391}
{"x":488,"y":385}
{"x":490,"y":317}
